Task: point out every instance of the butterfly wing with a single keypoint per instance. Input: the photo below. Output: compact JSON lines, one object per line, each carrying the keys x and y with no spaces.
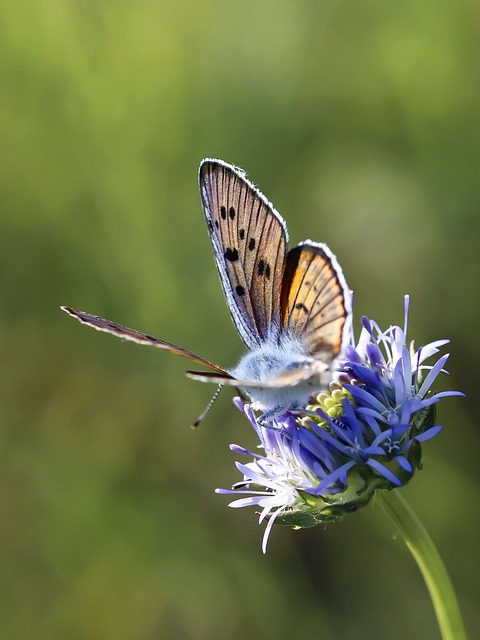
{"x":315,"y":300}
{"x":249,"y":241}
{"x":282,"y":380}
{"x":100,"y":324}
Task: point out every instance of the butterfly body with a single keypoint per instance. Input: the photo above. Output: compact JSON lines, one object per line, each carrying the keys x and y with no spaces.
{"x":292,"y":308}
{"x":280,"y":358}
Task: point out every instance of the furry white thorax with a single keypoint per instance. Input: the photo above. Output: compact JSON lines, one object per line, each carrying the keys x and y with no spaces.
{"x":276,"y":357}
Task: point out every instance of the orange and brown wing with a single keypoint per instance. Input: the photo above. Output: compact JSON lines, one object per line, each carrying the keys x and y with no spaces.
{"x":101,"y":324}
{"x":315,"y":300}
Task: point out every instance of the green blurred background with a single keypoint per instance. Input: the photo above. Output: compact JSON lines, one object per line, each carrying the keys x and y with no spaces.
{"x":361,"y":122}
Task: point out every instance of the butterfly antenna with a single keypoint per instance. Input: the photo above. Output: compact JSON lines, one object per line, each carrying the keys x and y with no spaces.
{"x":208,"y":407}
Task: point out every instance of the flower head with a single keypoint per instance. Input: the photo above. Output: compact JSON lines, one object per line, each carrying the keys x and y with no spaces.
{"x":365,"y":433}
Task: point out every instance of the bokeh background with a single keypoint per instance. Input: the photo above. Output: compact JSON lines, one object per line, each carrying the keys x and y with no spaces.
{"x":361,"y":122}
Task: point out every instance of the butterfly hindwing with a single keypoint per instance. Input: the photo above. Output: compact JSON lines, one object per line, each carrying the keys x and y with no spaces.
{"x":101,"y":324}
{"x":315,"y":301}
{"x":249,"y":242}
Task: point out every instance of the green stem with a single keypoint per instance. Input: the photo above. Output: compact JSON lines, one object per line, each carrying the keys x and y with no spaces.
{"x":429,"y":562}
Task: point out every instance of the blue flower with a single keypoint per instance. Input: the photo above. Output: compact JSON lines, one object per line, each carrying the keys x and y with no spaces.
{"x":365,"y":433}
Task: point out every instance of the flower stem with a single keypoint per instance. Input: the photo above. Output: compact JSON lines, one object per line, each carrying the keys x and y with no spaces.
{"x":429,"y":562}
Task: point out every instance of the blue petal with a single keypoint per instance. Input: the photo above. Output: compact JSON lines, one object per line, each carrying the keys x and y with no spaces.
{"x":332,"y":478}
{"x":312,"y":443}
{"x":432,"y":375}
{"x":383,"y":471}
{"x":362,"y":398}
{"x":428,"y":434}
{"x":375,"y":355}
{"x":404,"y":463}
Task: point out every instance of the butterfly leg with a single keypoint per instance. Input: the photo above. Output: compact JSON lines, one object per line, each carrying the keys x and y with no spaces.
{"x":264,"y":420}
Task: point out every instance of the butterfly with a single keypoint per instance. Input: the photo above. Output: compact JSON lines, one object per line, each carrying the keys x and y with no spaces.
{"x":291,"y":308}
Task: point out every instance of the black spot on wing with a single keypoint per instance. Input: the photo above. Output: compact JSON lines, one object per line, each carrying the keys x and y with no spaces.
{"x":216,"y":224}
{"x":231,"y":255}
{"x":231,"y":213}
{"x":223,"y":213}
{"x":251,"y":244}
{"x":240,"y":290}
{"x":263,"y":269}
{"x":301,"y":306}
{"x":241,"y":234}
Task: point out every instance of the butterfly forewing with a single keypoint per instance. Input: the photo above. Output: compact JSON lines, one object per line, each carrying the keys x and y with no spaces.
{"x":314,"y":299}
{"x":101,"y":324}
{"x":249,"y":240}
{"x":284,"y":379}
